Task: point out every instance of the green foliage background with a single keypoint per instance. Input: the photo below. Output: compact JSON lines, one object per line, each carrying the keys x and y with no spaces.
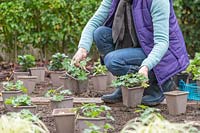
{"x":56,"y":25}
{"x":188,"y":14}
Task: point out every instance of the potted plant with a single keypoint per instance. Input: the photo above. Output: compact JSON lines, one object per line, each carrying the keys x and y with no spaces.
{"x":60,"y":99}
{"x":176,"y":102}
{"x":29,"y":82}
{"x":25,"y":62}
{"x":21,"y":102}
{"x":99,"y":77}
{"x":64,"y":119}
{"x":76,"y":78}
{"x":92,"y":113}
{"x":56,"y":68}
{"x":132,"y":86}
{"x":12,"y":90}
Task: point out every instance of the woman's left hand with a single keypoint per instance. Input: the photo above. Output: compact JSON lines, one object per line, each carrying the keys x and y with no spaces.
{"x":144,"y":71}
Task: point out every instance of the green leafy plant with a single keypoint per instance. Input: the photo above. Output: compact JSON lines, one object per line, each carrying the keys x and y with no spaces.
{"x":21,"y":123}
{"x":96,"y":129}
{"x":131,"y":80}
{"x":18,"y":86}
{"x":56,"y":62}
{"x":99,"y":69}
{"x":57,"y":95}
{"x":26,"y":61}
{"x":22,"y":100}
{"x":78,"y":72}
{"x":151,"y":121}
{"x":94,"y":111}
{"x":194,"y":67}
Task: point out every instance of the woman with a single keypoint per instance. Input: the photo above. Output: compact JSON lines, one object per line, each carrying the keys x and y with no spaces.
{"x":137,"y":36}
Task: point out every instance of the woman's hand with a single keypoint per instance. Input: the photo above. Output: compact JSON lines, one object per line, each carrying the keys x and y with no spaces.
{"x":80,"y":55}
{"x":144,"y":71}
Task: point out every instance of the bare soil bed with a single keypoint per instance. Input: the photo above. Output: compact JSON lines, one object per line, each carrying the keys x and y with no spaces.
{"x":121,"y":113}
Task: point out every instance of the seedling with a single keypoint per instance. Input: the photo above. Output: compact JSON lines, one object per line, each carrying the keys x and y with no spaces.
{"x":94,"y":111}
{"x":99,"y":69}
{"x":194,"y":67}
{"x":131,"y":80}
{"x":96,"y":129}
{"x":56,"y":62}
{"x":57,"y":95}
{"x":78,"y":72}
{"x":22,"y":100}
{"x":26,"y":61}
{"x":18,"y":86}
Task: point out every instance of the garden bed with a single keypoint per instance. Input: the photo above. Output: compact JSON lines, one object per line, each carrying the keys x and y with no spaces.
{"x":120,"y":113}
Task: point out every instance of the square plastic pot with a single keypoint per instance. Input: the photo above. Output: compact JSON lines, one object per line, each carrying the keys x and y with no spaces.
{"x":132,"y":96}
{"x":81,"y":123}
{"x":8,"y":94}
{"x":64,"y":119}
{"x":76,"y":86}
{"x":99,"y":82}
{"x":32,"y":109}
{"x":16,"y":74}
{"x":38,"y":71}
{"x":55,"y":78}
{"x":66,"y":103}
{"x":29,"y":82}
{"x":176,"y":102}
{"x":110,"y":78}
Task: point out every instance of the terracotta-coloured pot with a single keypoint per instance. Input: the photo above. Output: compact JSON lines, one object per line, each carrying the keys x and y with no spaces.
{"x":16,"y":74}
{"x":38,"y":71}
{"x":99,"y":82}
{"x":32,"y":109}
{"x":81,"y":123}
{"x":8,"y":94}
{"x":176,"y":102}
{"x":55,"y":78}
{"x":29,"y":82}
{"x":132,"y":96}
{"x":66,"y":103}
{"x":76,"y":86}
{"x":110,"y":78}
{"x":64,"y":119}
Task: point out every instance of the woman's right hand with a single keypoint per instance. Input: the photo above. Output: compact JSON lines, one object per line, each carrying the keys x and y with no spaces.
{"x":80,"y":55}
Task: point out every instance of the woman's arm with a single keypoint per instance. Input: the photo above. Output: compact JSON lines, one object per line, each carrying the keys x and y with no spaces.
{"x":160,"y":12}
{"x":97,"y":20}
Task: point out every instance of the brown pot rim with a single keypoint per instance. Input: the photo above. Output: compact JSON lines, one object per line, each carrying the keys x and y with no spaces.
{"x":133,"y":88}
{"x":92,"y":119}
{"x":58,"y":114}
{"x":8,"y":92}
{"x":27,"y":77}
{"x":65,"y":99}
{"x":98,"y":75}
{"x":176,"y":93}
{"x":37,"y":68}
{"x":31,"y":106}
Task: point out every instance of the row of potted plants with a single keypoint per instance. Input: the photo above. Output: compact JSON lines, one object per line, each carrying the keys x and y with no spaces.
{"x":82,"y":119}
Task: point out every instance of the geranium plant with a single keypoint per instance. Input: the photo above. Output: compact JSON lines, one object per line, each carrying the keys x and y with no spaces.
{"x":22,"y":100}
{"x":78,"y":72}
{"x":56,"y":95}
{"x":26,"y":61}
{"x":194,"y":67}
{"x":131,"y":80}
{"x":56,"y":62}
{"x":99,"y":69}
{"x":18,"y":86}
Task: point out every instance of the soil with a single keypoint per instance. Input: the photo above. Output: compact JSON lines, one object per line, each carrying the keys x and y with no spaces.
{"x":120,"y":113}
